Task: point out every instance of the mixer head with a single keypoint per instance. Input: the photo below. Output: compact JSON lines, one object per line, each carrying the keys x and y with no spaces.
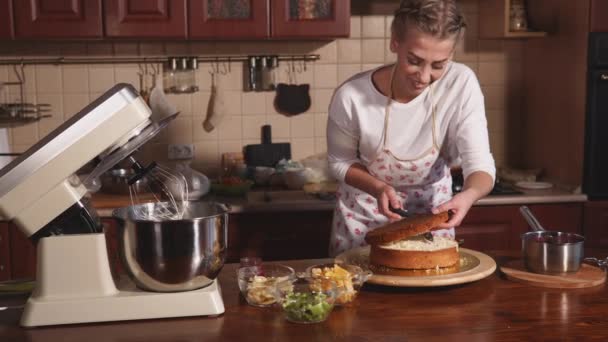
{"x":38,"y":190}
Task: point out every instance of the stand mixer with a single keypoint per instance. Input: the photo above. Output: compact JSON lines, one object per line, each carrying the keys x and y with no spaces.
{"x":41,"y":195}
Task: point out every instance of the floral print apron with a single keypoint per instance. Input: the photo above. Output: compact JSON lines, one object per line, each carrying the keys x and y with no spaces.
{"x":422,"y":183}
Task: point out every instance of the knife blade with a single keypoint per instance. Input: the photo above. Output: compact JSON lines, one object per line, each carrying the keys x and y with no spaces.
{"x":405,"y":213}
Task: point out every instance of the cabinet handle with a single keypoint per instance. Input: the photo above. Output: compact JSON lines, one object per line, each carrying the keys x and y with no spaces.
{"x":604,"y":77}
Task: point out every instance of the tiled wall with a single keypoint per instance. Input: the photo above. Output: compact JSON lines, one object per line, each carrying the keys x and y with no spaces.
{"x":69,"y":88}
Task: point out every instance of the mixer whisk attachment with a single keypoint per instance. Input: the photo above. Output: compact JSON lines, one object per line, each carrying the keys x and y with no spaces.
{"x":169,"y":188}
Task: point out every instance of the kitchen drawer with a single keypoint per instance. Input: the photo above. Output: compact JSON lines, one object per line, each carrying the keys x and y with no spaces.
{"x":279,"y":236}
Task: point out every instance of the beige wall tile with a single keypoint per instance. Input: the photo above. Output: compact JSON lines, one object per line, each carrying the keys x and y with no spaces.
{"x":514,"y":50}
{"x":200,"y":103}
{"x":497,"y":143}
{"x":372,"y":26}
{"x":17,"y":148}
{"x":349,"y":50}
{"x":199,"y":133}
{"x":101,"y":78}
{"x":321,"y":99}
{"x":252,"y":126}
{"x":75,"y":79}
{"x":494,"y":97}
{"x":231,"y":128}
{"x":46,"y":126}
{"x":48,"y":79}
{"x":302,"y":148}
{"x":328,"y":53}
{"x":270,"y":109}
{"x":128,"y":74}
{"x":207,"y":153}
{"x":326,"y":76}
{"x":346,"y":71}
{"x":491,"y":73}
{"x":30,"y":79}
{"x":232,"y":102}
{"x":355,"y":26}
{"x":182,"y":102}
{"x":372,"y":50}
{"x":180,"y":131}
{"x":225,"y":146}
{"x":232,"y":80}
{"x":370,"y":66}
{"x":388,"y":23}
{"x":177,"y":48}
{"x":3,"y":73}
{"x":25,"y":135}
{"x":74,"y":103}
{"x":281,"y":126}
{"x":302,"y":126}
{"x":474,"y":66}
{"x":321,"y":145}
{"x":321,"y":125}
{"x":389,"y":56}
{"x":254,"y":103}
{"x":491,"y":51}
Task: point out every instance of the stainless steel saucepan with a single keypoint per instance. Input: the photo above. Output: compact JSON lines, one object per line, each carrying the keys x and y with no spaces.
{"x":550,"y":252}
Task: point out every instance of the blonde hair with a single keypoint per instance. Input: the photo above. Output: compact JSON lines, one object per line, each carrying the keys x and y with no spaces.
{"x":439,"y":18}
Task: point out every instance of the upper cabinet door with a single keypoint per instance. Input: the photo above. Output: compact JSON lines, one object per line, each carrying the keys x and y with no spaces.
{"x":310,"y":18}
{"x":145,"y":18}
{"x":599,"y":16}
{"x":6,"y":19}
{"x":57,"y":18}
{"x":228,"y":19}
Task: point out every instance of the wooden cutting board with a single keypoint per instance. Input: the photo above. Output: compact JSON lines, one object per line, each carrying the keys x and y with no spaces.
{"x":587,"y":276}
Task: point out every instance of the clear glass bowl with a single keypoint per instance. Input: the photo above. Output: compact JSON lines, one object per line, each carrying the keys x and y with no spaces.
{"x":259,"y":284}
{"x":306,"y":303}
{"x":347,"y":279}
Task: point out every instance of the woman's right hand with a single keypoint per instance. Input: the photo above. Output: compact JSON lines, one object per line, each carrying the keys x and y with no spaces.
{"x":387,"y":197}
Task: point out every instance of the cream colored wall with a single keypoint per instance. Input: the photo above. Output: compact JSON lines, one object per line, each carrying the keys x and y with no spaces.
{"x":498,"y":65}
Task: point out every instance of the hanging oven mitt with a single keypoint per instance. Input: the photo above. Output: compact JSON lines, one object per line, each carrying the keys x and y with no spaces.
{"x":216,"y":106}
{"x":292,"y":99}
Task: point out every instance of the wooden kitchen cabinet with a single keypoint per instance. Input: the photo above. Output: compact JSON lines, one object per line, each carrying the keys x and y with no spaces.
{"x":500,"y":227}
{"x":279,"y":235}
{"x":310,"y":18}
{"x":6,"y":19}
{"x":598,"y":16}
{"x":23,"y":255}
{"x":58,"y":19}
{"x":5,"y":252}
{"x":145,"y":18}
{"x":228,"y":19}
{"x":596,"y":224}
{"x":494,"y":21}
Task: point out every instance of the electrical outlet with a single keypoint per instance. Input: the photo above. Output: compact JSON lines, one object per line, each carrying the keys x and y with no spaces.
{"x":181,"y":151}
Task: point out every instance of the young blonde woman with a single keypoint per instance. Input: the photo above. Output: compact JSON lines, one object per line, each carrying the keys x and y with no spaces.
{"x":393,"y":132}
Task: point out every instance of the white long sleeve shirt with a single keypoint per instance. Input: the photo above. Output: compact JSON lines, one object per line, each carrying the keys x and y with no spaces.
{"x":356,"y":123}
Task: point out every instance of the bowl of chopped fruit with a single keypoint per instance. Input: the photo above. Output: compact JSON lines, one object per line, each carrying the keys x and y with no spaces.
{"x":347,"y":279}
{"x":306,"y":303}
{"x":259,"y":284}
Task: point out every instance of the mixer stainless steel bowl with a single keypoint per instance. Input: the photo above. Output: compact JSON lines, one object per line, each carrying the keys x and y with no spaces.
{"x":174,"y":255}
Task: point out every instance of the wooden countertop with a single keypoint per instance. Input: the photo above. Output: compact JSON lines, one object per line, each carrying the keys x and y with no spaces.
{"x":491,"y":309}
{"x":300,"y":201}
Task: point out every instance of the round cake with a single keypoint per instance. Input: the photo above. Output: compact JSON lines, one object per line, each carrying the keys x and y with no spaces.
{"x":416,"y":253}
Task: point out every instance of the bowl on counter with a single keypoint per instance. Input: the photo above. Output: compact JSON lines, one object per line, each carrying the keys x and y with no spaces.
{"x":346,"y":279}
{"x":307,"y":303}
{"x":115,"y":182}
{"x":260,"y":284}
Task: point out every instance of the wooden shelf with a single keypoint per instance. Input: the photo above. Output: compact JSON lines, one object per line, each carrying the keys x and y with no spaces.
{"x":494,"y":22}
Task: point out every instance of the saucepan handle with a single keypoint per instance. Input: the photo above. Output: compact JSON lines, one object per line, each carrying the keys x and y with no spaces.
{"x":601,"y":263}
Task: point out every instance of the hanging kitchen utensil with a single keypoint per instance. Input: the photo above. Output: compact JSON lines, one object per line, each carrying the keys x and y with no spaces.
{"x":292,"y":99}
{"x":266,"y":153}
{"x":159,"y":104}
{"x":216,"y":106}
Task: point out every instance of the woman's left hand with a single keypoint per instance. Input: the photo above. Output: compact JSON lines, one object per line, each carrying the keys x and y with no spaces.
{"x":459,"y":205}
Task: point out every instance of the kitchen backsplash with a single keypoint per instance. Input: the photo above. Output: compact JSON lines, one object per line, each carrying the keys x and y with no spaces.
{"x":69,"y":88}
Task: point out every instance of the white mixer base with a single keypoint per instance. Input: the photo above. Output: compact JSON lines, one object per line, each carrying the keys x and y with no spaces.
{"x":74,"y":285}
{"x":125,"y":305}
